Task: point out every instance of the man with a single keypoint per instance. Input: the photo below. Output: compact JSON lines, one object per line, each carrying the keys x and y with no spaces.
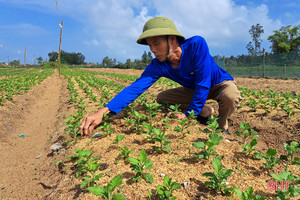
{"x":186,"y":61}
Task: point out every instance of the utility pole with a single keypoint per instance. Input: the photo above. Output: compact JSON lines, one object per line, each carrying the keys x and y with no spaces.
{"x":7,"y":59}
{"x":59,"y":49}
{"x":264,"y":53}
{"x":25,"y":57}
{"x":33,"y":59}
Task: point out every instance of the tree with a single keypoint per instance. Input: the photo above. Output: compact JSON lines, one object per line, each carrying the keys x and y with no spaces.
{"x":15,"y":63}
{"x":40,"y":60}
{"x":146,"y":58}
{"x":53,"y":56}
{"x":107,"y":62}
{"x":285,"y":39}
{"x":253,"y":46}
{"x":128,"y":63}
{"x":69,"y":58}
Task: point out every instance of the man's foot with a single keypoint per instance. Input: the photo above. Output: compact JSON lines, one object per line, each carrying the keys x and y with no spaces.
{"x":206,"y":111}
{"x":226,"y":132}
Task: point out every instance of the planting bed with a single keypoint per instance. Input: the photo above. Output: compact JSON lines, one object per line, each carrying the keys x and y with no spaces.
{"x":49,"y":112}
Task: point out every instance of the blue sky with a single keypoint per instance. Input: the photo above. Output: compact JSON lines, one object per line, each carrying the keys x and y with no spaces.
{"x":99,"y":28}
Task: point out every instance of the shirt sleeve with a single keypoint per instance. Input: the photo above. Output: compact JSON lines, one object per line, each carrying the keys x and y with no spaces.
{"x":203,"y":74}
{"x":130,"y":93}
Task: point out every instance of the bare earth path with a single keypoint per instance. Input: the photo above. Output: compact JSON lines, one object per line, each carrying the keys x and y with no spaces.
{"x":37,"y":115}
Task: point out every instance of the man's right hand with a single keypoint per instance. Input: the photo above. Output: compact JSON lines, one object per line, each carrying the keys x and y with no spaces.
{"x":90,"y":122}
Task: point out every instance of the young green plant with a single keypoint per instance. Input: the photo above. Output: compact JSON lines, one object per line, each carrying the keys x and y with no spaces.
{"x":138,"y":165}
{"x":106,"y":192}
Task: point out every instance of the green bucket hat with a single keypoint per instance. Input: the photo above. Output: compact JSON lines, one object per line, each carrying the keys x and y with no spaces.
{"x":158,"y":26}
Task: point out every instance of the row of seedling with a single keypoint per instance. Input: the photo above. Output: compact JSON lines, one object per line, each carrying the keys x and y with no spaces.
{"x":21,"y":83}
{"x":74,"y":121}
{"x":269,"y":101}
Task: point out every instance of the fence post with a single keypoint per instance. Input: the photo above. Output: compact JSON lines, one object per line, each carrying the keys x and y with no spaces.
{"x":285,"y":71}
{"x":224,"y":62}
{"x":25,"y":57}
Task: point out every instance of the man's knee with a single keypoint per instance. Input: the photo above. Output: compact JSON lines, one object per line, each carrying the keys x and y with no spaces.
{"x":160,"y":98}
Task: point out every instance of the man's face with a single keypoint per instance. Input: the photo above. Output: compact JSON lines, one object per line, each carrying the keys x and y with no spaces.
{"x":159,"y":47}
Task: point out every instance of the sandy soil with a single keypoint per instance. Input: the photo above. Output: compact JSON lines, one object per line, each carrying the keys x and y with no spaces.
{"x":28,"y":168}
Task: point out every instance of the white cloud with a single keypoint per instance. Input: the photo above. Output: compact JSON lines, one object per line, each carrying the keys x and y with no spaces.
{"x":92,"y":42}
{"x":113,"y":26}
{"x":221,"y":22}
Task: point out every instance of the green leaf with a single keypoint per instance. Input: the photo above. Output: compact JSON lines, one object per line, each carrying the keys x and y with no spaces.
{"x":217,"y":164}
{"x":133,"y":161}
{"x":255,"y":137}
{"x":98,"y":191}
{"x":118,"y":196}
{"x":167,"y":181}
{"x":98,"y":176}
{"x":148,"y":178}
{"x":84,"y":183}
{"x":258,"y":155}
{"x":148,"y":164}
{"x":199,"y":145}
{"x":175,"y":186}
{"x":271,"y":152}
{"x":208,"y":174}
{"x":253,"y":143}
{"x":178,"y":129}
{"x":143,"y":156}
{"x":115,"y":182}
{"x":168,"y":149}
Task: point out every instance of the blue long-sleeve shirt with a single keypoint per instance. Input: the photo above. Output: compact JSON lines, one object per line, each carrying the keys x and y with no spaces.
{"x":197,"y":70}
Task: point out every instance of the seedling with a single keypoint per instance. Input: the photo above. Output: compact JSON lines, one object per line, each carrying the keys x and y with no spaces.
{"x":213,"y":125}
{"x":106,"y":127}
{"x":218,"y":177}
{"x":118,"y":139}
{"x":248,"y":194}
{"x":292,"y":149}
{"x":152,"y":109}
{"x":138,"y":121}
{"x":165,"y":191}
{"x":139,"y":165}
{"x":183,"y":126}
{"x":174,"y":109}
{"x":250,"y":147}
{"x":208,"y":147}
{"x":245,"y":132}
{"x":160,"y":136}
{"x":92,"y":167}
{"x":252,"y":103}
{"x":106,"y":192}
{"x":289,"y":190}
{"x":271,"y":160}
{"x":149,"y":130}
{"x":166,"y":122}
{"x":125,"y":152}
{"x":214,"y":139}
{"x":82,"y":158}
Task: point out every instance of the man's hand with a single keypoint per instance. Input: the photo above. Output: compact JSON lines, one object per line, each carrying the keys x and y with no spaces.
{"x":177,"y":115}
{"x":90,"y":122}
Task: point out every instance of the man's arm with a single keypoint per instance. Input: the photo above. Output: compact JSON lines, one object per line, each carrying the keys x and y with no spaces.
{"x":203,"y":76}
{"x":119,"y":102}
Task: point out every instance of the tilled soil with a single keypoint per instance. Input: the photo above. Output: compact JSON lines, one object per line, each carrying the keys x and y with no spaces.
{"x":28,"y":169}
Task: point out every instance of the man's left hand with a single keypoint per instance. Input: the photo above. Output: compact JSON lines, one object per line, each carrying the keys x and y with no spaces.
{"x":179,"y":116}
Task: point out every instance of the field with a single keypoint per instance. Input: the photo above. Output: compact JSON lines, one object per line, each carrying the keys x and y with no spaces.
{"x":39,"y":108}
